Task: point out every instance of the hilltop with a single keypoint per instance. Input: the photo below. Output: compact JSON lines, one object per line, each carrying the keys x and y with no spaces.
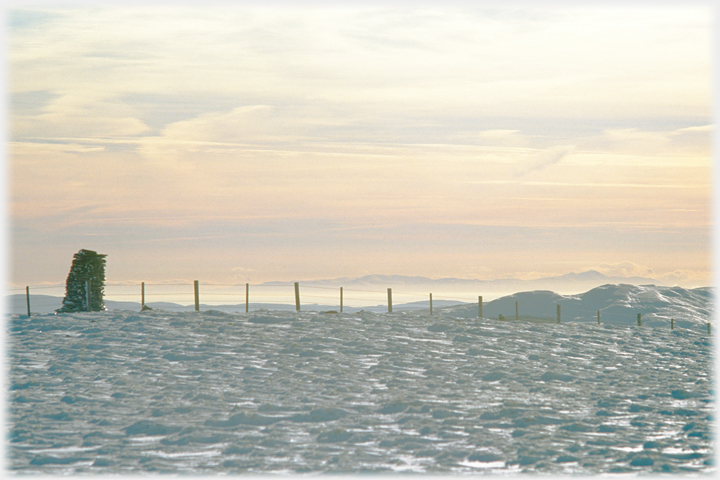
{"x":618,"y":304}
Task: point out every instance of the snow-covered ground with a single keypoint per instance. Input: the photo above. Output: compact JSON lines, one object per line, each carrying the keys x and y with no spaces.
{"x":284,"y":392}
{"x":658,"y":306}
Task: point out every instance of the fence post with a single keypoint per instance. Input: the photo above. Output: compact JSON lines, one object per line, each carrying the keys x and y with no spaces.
{"x":142,"y":296}
{"x":480,"y":313}
{"x":639,"y":320}
{"x":389,"y":300}
{"x":341,"y":299}
{"x":672,"y":324}
{"x":87,"y":295}
{"x":558,"y":313}
{"x":517,"y":314}
{"x":707,"y":324}
{"x":197,"y":296}
{"x":27,"y":298}
{"x":598,"y":317}
{"x":431,"y":312}
{"x":297,"y":297}
{"x":247,"y":297}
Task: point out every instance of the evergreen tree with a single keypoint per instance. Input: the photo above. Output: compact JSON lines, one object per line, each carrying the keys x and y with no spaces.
{"x":86,"y":265}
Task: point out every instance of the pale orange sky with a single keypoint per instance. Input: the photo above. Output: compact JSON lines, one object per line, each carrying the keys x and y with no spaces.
{"x":257,"y":144}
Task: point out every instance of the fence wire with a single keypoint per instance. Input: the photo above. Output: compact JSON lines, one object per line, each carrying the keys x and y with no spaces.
{"x":47,"y":296}
{"x":181,"y":297}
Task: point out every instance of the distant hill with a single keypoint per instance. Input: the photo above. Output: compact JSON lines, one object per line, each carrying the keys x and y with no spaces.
{"x":618,"y":305}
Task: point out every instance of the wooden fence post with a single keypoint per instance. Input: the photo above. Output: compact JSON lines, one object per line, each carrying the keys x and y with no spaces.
{"x":672,"y":324}
{"x":247,"y":297}
{"x":197,"y":296}
{"x":389,"y":300}
{"x":27,"y":298}
{"x":517,"y":314}
{"x":598,"y":317}
{"x":639,"y":320}
{"x":558,"y":313}
{"x":87,"y":295}
{"x":341,"y":299}
{"x":142,"y":296}
{"x":297,"y":297}
{"x":480,"y":312}
{"x":431,"y":312}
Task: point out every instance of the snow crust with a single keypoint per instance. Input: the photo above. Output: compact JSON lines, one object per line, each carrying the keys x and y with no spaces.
{"x":122,"y":392}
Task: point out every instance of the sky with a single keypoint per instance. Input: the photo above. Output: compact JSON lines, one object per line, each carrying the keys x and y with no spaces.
{"x":304,"y":141}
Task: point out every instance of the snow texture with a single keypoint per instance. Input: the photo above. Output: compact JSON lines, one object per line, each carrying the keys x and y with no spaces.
{"x":207,"y":392}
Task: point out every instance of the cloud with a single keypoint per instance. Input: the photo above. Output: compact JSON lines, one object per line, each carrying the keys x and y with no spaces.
{"x":624,"y":269}
{"x":544,"y":159}
{"x":242,"y":269}
{"x":503,"y":138}
{"x":242,"y":128}
{"x":704,"y":129}
{"x":498,"y":133}
{"x":695,"y":140}
{"x":382,"y":60}
{"x":76,"y":116}
{"x":686,"y":277}
{"x":242,"y":274}
{"x":356,"y":117}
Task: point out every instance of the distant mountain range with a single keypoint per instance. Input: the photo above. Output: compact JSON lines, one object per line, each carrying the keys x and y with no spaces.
{"x":568,"y":283}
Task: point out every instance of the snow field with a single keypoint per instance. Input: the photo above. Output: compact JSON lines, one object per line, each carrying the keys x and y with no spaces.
{"x":285,"y":392}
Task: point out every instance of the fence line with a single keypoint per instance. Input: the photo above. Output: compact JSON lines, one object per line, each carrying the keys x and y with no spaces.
{"x":149,"y":292}
{"x":341,"y":291}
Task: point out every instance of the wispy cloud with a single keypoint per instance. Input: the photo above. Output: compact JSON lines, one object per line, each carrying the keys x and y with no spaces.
{"x":624,"y":269}
{"x":324,"y":128}
{"x":544,"y":159}
{"x":702,"y":129}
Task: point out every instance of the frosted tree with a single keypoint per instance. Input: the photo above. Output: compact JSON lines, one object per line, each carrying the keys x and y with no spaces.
{"x":86,"y":265}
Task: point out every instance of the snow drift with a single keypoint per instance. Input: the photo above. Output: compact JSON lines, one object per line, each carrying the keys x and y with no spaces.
{"x":209,"y":392}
